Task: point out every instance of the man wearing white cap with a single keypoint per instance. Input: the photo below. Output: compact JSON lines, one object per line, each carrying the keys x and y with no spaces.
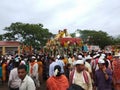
{"x":33,"y":72}
{"x":88,"y":65}
{"x":103,"y":77}
{"x":80,"y":76}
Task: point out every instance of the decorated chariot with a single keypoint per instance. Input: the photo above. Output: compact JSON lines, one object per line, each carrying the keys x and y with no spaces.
{"x":63,"y":43}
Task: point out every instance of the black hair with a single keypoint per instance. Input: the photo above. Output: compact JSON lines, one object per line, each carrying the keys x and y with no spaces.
{"x":59,"y":70}
{"x":106,"y":63}
{"x":52,"y":59}
{"x":22,"y":66}
{"x":16,"y":64}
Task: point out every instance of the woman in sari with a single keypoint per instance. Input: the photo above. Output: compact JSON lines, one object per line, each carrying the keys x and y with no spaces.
{"x":4,"y":71}
{"x":58,"y":81}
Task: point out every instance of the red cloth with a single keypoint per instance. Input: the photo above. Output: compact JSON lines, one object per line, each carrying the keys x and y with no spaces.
{"x":85,"y":77}
{"x":31,"y":69}
{"x":116,"y":74}
{"x":57,"y":83}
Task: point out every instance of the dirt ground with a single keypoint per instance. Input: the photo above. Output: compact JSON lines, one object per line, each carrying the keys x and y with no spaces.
{"x":5,"y":86}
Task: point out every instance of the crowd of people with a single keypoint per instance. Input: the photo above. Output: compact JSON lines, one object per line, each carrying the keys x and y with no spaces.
{"x":91,"y":70}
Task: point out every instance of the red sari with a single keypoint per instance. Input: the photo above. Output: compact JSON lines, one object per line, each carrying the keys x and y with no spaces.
{"x":57,"y":83}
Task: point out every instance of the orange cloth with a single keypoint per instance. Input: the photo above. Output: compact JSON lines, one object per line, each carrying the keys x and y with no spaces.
{"x":31,"y":69}
{"x":57,"y":83}
{"x":4,"y":72}
{"x":40,"y":67}
{"x":109,"y":57}
{"x":65,"y":61}
{"x":40,"y":71}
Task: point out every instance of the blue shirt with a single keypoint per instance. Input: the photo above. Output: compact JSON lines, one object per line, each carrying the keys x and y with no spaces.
{"x":51,"y":68}
{"x":61,"y":64}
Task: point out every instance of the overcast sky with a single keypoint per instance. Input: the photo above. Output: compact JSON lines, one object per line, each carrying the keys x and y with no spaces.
{"x":60,"y":14}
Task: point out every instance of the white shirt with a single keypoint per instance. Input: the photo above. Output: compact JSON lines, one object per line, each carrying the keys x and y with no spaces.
{"x":14,"y":80}
{"x":35,"y":70}
{"x":88,"y":66}
{"x":70,"y":60}
{"x":27,"y":84}
{"x":79,"y":80}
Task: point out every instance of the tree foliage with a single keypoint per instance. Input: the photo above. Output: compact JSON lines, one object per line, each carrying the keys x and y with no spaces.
{"x":117,"y":40}
{"x":93,"y":37}
{"x":1,"y":37}
{"x":35,"y":35}
{"x":28,"y":34}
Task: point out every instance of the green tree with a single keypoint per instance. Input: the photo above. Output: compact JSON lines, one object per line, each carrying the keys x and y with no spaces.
{"x":117,"y":40}
{"x":1,"y":37}
{"x":93,"y":37}
{"x":29,"y":34}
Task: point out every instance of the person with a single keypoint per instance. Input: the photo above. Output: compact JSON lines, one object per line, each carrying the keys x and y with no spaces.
{"x":40,"y":70}
{"x":26,"y":81}
{"x":116,"y":72}
{"x":53,"y":63}
{"x":4,"y":71}
{"x":80,"y":76}
{"x":33,"y":71}
{"x":58,"y":81}
{"x":61,"y":64}
{"x":0,"y":73}
{"x":10,"y":66}
{"x":103,"y":77}
{"x":14,"y":80}
{"x":67,"y":70}
{"x":88,"y":64}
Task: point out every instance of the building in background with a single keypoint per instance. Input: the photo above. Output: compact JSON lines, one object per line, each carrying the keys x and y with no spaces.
{"x":9,"y":47}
